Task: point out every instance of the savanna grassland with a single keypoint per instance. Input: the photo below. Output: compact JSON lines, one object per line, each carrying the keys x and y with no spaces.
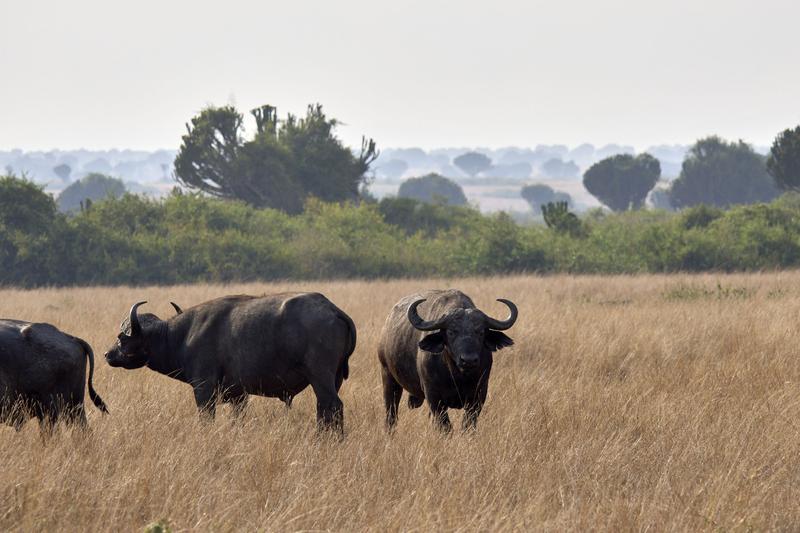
{"x":627,"y":403}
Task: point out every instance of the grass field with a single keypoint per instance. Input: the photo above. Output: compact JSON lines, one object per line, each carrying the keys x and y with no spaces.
{"x":628,"y":403}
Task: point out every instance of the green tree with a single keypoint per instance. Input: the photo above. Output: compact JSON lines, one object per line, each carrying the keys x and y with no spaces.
{"x":280,"y":167}
{"x":722,"y":174}
{"x":25,"y":207}
{"x":783,"y":162}
{"x":558,"y":218}
{"x":539,"y":194}
{"x":92,"y":187}
{"x":432,"y":188}
{"x":473,"y":163}
{"x":622,"y":181}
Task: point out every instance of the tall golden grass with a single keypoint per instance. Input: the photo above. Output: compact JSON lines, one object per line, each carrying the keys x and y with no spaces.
{"x":648,"y":402}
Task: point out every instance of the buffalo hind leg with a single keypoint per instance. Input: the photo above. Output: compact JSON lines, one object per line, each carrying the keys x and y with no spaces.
{"x":330,"y":410}
{"x":392,"y":392}
{"x":238,"y":405}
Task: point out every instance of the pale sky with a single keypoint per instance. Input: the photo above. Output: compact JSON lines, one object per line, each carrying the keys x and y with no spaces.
{"x":105,"y":74}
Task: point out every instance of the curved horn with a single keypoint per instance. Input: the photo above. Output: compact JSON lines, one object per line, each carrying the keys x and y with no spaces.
{"x":177,"y":307}
{"x":422,"y":325}
{"x":136,"y":328}
{"x":507,"y":323}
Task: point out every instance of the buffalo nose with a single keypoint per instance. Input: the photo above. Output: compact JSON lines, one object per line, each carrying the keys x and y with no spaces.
{"x":469,"y":361}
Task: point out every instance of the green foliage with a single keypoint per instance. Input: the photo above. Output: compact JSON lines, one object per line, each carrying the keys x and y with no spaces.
{"x":622,"y":181}
{"x":783,"y":162}
{"x":538,"y":194}
{"x":413,"y":216}
{"x":432,"y":189}
{"x":187,"y":238}
{"x":93,"y":187}
{"x":722,"y":174}
{"x":473,"y":163}
{"x":557,"y":217}
{"x":280,"y":167}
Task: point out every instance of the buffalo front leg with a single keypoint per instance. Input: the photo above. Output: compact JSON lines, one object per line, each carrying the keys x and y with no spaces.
{"x":392,"y":392}
{"x":471,"y":413}
{"x":205,"y":396}
{"x":439,"y":414}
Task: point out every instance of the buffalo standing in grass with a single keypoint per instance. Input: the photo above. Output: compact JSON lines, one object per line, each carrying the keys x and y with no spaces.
{"x":43,"y":374}
{"x":230,"y":347}
{"x":449,"y":367}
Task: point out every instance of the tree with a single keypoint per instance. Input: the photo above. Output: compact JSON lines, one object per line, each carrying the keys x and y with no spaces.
{"x":432,"y":188}
{"x":539,"y":194}
{"x":280,"y":167}
{"x":393,"y":169}
{"x":721,"y":174}
{"x":558,"y":169}
{"x":25,"y":207}
{"x":92,"y":187}
{"x":783,"y":162}
{"x":622,"y":181}
{"x":62,"y":171}
{"x":559,"y":219}
{"x":473,"y":163}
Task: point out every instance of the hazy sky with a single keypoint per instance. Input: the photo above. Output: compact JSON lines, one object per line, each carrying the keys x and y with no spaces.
{"x":105,"y":74}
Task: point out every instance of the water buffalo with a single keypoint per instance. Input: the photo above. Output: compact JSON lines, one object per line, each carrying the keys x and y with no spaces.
{"x":449,"y":367}
{"x":227,"y":348}
{"x":42,"y":374}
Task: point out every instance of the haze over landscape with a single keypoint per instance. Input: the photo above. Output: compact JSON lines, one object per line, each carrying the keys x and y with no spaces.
{"x":89,"y":74}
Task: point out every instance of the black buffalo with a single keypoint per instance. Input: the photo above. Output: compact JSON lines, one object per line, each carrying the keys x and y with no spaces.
{"x":230,"y":347}
{"x":43,"y":374}
{"x":450,"y":367}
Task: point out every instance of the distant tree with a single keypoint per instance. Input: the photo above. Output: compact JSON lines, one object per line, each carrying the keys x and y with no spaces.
{"x":62,"y":171}
{"x":473,"y":163}
{"x":393,"y":169}
{"x":622,"y":182}
{"x":783,"y":162}
{"x":99,"y":166}
{"x":721,"y":174}
{"x":93,"y":187}
{"x":432,"y":188}
{"x":280,"y":167}
{"x":558,"y":169}
{"x":558,"y":218}
{"x":24,"y":206}
{"x":539,"y":194}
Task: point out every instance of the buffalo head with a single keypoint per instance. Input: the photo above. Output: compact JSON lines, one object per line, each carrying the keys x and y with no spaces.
{"x":465,"y":332}
{"x":131,"y":349}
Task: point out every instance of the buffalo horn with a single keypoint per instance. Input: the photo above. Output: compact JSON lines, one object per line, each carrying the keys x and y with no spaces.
{"x":504,"y":324}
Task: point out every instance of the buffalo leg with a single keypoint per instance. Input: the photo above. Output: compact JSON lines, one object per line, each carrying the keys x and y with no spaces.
{"x":471,"y":413}
{"x":330,"y":411}
{"x":205,"y":396}
{"x":439,"y":413}
{"x":238,"y":403}
{"x":392,"y":392}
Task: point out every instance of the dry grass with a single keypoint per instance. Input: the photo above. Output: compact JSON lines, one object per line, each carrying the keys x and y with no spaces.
{"x":653,"y":402}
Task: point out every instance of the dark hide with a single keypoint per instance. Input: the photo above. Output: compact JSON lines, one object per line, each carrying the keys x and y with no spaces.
{"x":43,"y":375}
{"x":231,"y":347}
{"x":449,"y":366}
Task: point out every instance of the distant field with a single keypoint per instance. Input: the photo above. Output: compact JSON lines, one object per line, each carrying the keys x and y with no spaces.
{"x":628,"y":403}
{"x":503,"y":196}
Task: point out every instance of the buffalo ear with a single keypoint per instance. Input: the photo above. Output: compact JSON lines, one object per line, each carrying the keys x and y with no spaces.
{"x":496,"y":340}
{"x":433,"y":343}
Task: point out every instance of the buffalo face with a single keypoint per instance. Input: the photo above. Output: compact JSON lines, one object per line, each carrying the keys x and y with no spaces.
{"x":466,"y":333}
{"x":130,"y":349}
